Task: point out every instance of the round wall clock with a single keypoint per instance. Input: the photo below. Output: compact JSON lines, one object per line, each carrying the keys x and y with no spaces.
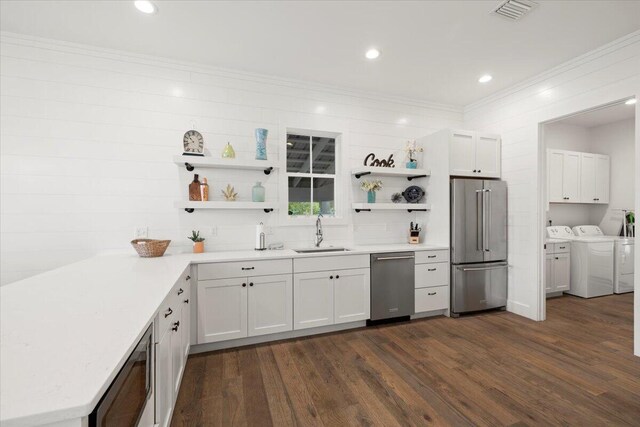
{"x":413,"y":194}
{"x":193,"y":143}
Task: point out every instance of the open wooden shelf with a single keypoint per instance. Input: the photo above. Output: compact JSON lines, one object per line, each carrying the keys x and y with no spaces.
{"x":410,"y":207}
{"x":410,"y":174}
{"x":224,"y":205}
{"x":192,"y":162}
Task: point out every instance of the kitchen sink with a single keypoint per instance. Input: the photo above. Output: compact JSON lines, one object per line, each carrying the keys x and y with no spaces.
{"x":320,"y":250}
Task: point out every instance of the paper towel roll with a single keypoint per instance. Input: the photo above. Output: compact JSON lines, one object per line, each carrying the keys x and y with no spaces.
{"x":259,"y":231}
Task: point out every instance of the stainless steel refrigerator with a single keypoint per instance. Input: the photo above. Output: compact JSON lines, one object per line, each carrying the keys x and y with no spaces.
{"x":478,"y":245}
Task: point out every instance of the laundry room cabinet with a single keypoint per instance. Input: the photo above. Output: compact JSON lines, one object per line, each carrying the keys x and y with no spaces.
{"x":557,"y":268}
{"x":576,"y":177}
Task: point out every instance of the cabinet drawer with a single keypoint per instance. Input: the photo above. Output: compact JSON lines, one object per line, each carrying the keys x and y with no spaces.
{"x":169,"y":311}
{"x":424,"y":257}
{"x":430,"y":275}
{"x":561,"y":248}
{"x":225,"y":270}
{"x":429,"y":299}
{"x":330,"y":263}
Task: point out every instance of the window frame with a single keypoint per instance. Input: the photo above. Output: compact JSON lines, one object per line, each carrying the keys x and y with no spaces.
{"x":339,"y":196}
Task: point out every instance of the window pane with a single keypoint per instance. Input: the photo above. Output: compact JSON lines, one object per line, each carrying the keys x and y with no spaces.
{"x":324,"y":155}
{"x":323,"y":197}
{"x":299,"y":196}
{"x":298,"y":154}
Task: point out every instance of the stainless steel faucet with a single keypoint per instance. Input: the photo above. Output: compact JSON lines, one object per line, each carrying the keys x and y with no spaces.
{"x":319,"y":237}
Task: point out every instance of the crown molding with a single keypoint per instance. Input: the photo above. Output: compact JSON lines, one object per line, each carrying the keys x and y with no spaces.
{"x":607,"y":49}
{"x":185,"y":66}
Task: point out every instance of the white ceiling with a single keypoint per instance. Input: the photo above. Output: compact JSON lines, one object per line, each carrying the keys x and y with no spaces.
{"x":433,"y":50}
{"x":601,"y":116}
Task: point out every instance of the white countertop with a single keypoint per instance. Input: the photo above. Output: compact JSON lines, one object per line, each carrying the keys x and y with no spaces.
{"x":65,"y":334}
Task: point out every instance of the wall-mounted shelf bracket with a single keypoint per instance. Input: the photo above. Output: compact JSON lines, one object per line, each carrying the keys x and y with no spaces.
{"x":363,"y":210}
{"x":268,"y":210}
{"x":189,"y":166}
{"x":361,"y":174}
{"x":416,"y":210}
{"x":190,"y":210}
{"x":409,"y":178}
{"x":268,"y":170}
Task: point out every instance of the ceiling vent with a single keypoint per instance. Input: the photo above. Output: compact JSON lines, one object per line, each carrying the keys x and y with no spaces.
{"x":514,"y":9}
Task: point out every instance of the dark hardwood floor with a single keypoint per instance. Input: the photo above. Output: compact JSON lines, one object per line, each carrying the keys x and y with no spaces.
{"x":576,"y":368}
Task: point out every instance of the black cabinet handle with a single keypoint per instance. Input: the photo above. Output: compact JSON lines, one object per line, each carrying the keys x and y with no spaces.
{"x":557,"y":258}
{"x":187,"y":278}
{"x":251,"y":284}
{"x":431,"y":256}
{"x":431,"y":269}
{"x":479,"y":171}
{"x":337,"y":277}
{"x":563,"y":247}
{"x":474,"y":171}
{"x":186,"y":301}
{"x":176,"y":326}
{"x":168,"y":313}
{"x":248,"y":268}
{"x":180,"y":291}
{"x":431,"y":293}
{"x":244,"y":285}
{"x":330,"y":277}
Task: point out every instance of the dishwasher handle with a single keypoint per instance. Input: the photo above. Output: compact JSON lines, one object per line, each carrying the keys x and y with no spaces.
{"x":387,"y":258}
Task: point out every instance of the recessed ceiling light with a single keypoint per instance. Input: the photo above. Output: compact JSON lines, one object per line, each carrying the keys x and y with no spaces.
{"x":485,"y":79}
{"x":372,"y":54}
{"x":631,"y":101}
{"x":145,"y":6}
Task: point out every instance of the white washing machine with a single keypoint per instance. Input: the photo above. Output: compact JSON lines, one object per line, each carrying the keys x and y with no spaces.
{"x":591,"y":262}
{"x":623,"y":257}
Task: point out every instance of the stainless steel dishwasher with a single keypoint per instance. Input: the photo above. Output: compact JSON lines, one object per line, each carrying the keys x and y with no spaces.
{"x":392,"y":285}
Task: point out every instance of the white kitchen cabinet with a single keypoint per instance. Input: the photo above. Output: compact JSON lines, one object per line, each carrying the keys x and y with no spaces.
{"x":177,"y":352}
{"x":222,"y":309}
{"x":312,"y":299}
{"x":575,"y":177}
{"x":164,"y":391}
{"x":351,"y":295}
{"x":270,"y":302}
{"x":474,"y":154}
{"x":185,"y":324}
{"x":557,"y":268}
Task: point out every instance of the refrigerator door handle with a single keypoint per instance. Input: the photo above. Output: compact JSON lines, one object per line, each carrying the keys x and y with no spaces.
{"x":486,"y":223}
{"x":480,"y":220}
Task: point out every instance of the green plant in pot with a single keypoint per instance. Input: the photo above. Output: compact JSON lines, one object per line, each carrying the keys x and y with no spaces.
{"x":371,"y":187}
{"x":198,"y":242}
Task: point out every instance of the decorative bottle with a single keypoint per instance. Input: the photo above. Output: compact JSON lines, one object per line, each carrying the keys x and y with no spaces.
{"x":228,"y":152}
{"x":194,"y":190}
{"x":261,"y":143}
{"x":204,"y":190}
{"x":257,"y":193}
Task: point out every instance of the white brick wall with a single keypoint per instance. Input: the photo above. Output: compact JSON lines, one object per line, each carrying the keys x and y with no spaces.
{"x":605,"y":75}
{"x":87,"y":137}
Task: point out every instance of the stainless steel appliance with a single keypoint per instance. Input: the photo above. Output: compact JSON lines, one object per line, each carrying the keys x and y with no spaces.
{"x":392,"y":285}
{"x":478,"y":245}
{"x":130,"y":394}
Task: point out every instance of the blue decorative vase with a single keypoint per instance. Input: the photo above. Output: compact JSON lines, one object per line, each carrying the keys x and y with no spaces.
{"x":371,"y":196}
{"x":412,"y":164}
{"x":261,"y":143}
{"x":257,"y":193}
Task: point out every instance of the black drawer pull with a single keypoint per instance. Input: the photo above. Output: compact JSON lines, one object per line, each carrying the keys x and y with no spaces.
{"x":176,"y":326}
{"x":248,"y":268}
{"x":431,"y":293}
{"x":180,"y":291}
{"x":431,"y":269}
{"x":168,"y":313}
{"x":431,"y":256}
{"x":187,"y":278}
{"x":563,"y":247}
{"x":186,"y":301}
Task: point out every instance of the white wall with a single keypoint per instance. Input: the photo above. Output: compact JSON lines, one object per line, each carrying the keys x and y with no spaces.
{"x":605,"y":75}
{"x":87,"y":137}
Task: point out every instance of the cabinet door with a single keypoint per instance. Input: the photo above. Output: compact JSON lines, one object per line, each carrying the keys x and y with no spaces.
{"x":351,"y":293}
{"x":462,"y":146}
{"x":562,"y":272}
{"x":488,"y":156}
{"x":548,"y":273}
{"x":555,"y":160}
{"x":602,"y":176}
{"x":222,"y":309}
{"x":587,"y":178}
{"x":571,"y":177}
{"x":164,"y":391}
{"x":312,"y":299}
{"x":177,"y":352}
{"x":185,"y":325}
{"x":270,"y":304}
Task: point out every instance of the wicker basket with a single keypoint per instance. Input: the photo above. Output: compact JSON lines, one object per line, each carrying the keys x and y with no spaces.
{"x":150,"y":248}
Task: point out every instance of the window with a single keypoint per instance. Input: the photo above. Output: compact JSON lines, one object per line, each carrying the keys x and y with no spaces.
{"x":311,"y":174}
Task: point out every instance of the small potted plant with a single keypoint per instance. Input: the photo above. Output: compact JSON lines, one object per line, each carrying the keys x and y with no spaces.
{"x":371,"y":187}
{"x":198,"y":242}
{"x":411,"y":150}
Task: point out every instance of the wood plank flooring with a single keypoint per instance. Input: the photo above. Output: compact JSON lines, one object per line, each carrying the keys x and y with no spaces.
{"x":576,"y":368}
